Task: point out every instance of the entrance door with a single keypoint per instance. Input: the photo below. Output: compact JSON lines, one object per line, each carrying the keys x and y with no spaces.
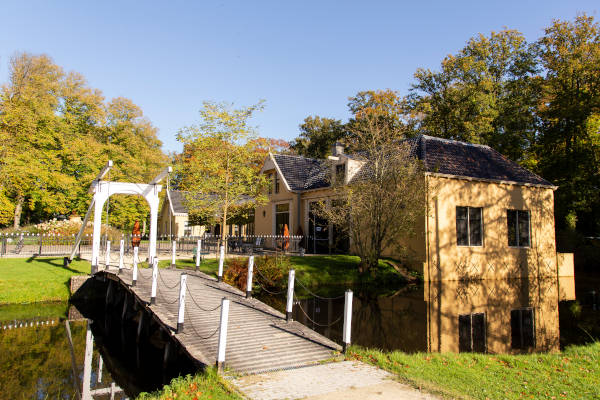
{"x":318,"y":232}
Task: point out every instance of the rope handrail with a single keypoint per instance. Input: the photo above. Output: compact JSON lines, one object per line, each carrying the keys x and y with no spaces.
{"x":190,"y":323}
{"x":268,"y":291}
{"x":165,"y":299}
{"x":199,"y":306}
{"x":313,"y":321}
{"x":316,"y":295}
{"x":165,"y":283}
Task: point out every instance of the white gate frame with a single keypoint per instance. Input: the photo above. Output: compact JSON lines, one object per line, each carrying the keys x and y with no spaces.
{"x":102,"y":190}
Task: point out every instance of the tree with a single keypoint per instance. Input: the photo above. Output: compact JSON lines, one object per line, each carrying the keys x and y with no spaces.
{"x":31,"y":135}
{"x":55,"y":132}
{"x":219,"y":167}
{"x":317,"y":136}
{"x":380,"y":208}
{"x":487,"y":93}
{"x":568,"y":145}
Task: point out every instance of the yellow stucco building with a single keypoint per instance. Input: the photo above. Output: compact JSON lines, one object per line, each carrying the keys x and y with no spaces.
{"x":487,"y":237}
{"x":486,"y":216}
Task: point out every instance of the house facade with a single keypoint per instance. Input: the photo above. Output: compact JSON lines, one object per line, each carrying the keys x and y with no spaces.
{"x":485,"y":216}
{"x":174,"y":219}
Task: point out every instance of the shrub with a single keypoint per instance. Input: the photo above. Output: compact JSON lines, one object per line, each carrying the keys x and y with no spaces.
{"x":269,"y":271}
{"x":236,"y":273}
{"x":272,"y":270}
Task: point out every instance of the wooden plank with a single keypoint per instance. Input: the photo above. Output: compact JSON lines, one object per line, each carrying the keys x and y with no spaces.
{"x":258,"y":339}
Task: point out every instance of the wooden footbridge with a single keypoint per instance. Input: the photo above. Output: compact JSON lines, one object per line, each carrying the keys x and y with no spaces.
{"x":258,"y":338}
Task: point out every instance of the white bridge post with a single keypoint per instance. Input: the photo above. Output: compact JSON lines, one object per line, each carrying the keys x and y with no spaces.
{"x":221,"y":260}
{"x":135,"y":266}
{"x":249,"y":278}
{"x":181,"y":314}
{"x":154,"y":281}
{"x":290,"y":295}
{"x":198,"y":254}
{"x":346,"y":339}
{"x":107,"y":263}
{"x":173,"y":253}
{"x":222,"y":334}
{"x":121,"y":255}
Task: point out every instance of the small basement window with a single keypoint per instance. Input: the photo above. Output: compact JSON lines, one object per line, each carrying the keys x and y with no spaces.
{"x":518,"y":228}
{"x":472,"y":333}
{"x":522,"y":328}
{"x":469,"y":226}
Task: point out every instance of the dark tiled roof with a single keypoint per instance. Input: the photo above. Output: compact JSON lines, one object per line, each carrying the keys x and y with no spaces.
{"x":470,"y":160}
{"x":178,"y":201}
{"x":180,"y":204}
{"x":442,"y":156}
{"x":302,"y":173}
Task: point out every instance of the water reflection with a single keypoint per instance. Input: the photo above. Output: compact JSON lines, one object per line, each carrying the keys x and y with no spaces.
{"x":495,"y":316}
{"x":37,"y":359}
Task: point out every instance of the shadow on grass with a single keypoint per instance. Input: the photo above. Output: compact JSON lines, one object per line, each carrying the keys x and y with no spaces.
{"x":55,"y":262}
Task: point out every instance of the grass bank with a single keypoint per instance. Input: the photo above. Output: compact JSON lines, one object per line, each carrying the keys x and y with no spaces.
{"x":30,"y":280}
{"x":206,"y":385}
{"x":316,"y":270}
{"x":571,"y":374}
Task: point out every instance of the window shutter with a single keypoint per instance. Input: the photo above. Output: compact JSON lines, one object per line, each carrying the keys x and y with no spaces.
{"x":464,"y":333}
{"x":479,"y":333}
{"x":528,"y":319}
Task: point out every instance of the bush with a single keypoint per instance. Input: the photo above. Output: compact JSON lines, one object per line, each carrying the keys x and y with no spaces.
{"x":236,"y":273}
{"x":270,"y":271}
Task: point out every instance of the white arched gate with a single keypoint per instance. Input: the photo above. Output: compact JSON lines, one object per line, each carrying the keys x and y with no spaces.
{"x":102,"y":190}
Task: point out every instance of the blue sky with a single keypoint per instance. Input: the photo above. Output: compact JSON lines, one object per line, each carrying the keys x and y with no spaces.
{"x":303,"y":57}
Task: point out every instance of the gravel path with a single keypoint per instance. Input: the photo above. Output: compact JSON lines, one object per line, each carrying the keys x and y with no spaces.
{"x":341,"y":380}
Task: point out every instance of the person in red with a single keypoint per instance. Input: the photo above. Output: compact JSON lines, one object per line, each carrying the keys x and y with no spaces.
{"x":136,"y":235}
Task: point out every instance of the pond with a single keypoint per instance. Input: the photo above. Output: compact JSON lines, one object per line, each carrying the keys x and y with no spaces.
{"x":505,"y":316}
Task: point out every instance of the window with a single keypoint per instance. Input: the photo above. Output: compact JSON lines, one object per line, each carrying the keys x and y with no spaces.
{"x":269,"y":177}
{"x":518,"y":228}
{"x":469,"y":226}
{"x":340,"y":172}
{"x":276,"y":180}
{"x":282,"y":217}
{"x":472,"y":335}
{"x":522,"y":328}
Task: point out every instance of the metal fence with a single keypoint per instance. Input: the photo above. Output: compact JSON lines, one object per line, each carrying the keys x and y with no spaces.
{"x":30,"y":244}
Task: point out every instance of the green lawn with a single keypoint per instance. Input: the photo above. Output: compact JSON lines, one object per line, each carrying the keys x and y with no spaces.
{"x":206,"y":385}
{"x":29,"y":280}
{"x":571,"y":374}
{"x":315,"y":270}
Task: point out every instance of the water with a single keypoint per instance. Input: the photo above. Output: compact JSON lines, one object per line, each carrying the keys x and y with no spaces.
{"x":494,"y":316}
{"x":35,"y":356}
{"x":505,"y":316}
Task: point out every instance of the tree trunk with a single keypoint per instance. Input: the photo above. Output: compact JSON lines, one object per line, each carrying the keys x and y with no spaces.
{"x":18,"y":211}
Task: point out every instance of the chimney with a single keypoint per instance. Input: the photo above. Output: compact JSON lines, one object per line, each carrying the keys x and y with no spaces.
{"x":337,"y":149}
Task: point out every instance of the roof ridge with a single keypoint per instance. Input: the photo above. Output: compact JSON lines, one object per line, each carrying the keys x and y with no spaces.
{"x":298,"y":156}
{"x":427,"y":137}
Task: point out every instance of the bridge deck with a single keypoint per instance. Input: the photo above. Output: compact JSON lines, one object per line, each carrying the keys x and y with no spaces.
{"x":258,"y":338}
